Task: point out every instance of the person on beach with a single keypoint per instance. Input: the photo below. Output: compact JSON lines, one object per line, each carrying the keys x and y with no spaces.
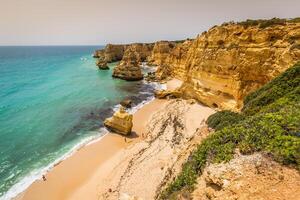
{"x":44,"y":178}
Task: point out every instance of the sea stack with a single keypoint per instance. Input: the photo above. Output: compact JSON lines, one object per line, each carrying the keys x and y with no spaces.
{"x":129,"y":68}
{"x":120,"y":122}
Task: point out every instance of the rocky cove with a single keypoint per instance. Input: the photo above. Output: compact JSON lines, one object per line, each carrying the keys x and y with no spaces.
{"x":219,"y":69}
{"x":226,"y":127}
{"x":220,"y":66}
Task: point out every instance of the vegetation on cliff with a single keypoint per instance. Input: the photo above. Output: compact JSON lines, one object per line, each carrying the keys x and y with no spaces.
{"x":264,"y":23}
{"x":269,"y":122}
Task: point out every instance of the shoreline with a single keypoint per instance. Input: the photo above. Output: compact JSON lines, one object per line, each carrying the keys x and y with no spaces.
{"x":64,"y":178}
{"x":97,"y":144}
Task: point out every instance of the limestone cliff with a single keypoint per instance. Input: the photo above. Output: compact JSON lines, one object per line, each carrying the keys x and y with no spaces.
{"x":161,"y":51}
{"x":129,"y":68}
{"x":221,"y":66}
{"x":111,"y":52}
{"x":172,"y":63}
{"x":115,"y":52}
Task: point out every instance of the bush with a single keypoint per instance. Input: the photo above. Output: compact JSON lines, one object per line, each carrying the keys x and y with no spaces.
{"x":271,"y":22}
{"x":281,"y":86}
{"x":270,"y":122}
{"x":222,"y":119}
{"x":264,"y":23}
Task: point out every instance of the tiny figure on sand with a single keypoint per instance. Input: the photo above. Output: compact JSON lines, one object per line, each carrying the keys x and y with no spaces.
{"x":44,"y":178}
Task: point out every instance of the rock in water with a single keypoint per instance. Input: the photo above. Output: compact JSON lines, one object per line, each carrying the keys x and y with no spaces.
{"x":102,"y":64}
{"x":129,"y":68}
{"x":126,"y":103}
{"x":120,"y":122}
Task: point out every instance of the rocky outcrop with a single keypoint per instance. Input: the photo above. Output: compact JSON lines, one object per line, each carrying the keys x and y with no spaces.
{"x":120,"y":122}
{"x":102,"y":64}
{"x":142,"y":51}
{"x":221,"y":66}
{"x":115,"y":52}
{"x":248,"y":177}
{"x":161,"y":51}
{"x":129,"y":68}
{"x":163,"y":94}
{"x":174,"y":65}
{"x":111,"y":52}
{"x":127,"y":103}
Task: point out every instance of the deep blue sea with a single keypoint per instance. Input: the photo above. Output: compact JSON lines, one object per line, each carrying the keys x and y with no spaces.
{"x":52,"y":99}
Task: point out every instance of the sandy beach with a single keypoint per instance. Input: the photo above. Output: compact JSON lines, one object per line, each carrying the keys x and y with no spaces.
{"x":95,"y":171}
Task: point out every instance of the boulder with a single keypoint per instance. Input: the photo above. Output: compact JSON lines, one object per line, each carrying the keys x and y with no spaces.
{"x":150,"y":77}
{"x":126,"y":103}
{"x":162,"y":94}
{"x":120,"y":122}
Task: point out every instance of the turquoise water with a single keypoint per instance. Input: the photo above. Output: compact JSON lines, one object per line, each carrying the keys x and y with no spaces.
{"x":51,"y":98}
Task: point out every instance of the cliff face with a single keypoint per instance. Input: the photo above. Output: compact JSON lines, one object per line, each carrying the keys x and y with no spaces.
{"x":173,"y":63}
{"x":111,"y":52}
{"x":161,"y":51}
{"x":141,"y":50}
{"x":221,"y":66}
{"x":115,"y":52}
{"x":128,"y":69}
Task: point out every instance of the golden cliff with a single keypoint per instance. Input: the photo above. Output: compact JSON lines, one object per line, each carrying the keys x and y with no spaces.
{"x":221,"y":66}
{"x":236,"y":61}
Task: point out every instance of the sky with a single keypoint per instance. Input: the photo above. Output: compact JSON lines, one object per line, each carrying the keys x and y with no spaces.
{"x":98,"y":22}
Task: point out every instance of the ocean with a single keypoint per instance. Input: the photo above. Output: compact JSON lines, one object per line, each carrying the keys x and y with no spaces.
{"x":52,"y":101}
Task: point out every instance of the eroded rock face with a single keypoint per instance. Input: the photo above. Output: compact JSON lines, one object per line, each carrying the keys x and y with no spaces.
{"x":161,"y":51}
{"x":141,"y":50}
{"x":221,"y":66}
{"x":102,"y":64}
{"x":174,"y":65}
{"x":111,"y":52}
{"x":120,"y":122}
{"x":129,"y":68}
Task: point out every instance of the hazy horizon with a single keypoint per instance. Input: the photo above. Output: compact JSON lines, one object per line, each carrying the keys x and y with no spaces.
{"x":98,"y":22}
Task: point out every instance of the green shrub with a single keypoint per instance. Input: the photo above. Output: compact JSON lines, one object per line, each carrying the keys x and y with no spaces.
{"x":271,"y":22}
{"x":281,"y":86}
{"x":222,"y":119}
{"x":264,"y":23}
{"x":270,"y":122}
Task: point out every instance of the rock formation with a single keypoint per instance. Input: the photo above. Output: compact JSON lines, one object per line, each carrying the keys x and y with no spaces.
{"x":162,"y":94}
{"x":102,"y":64}
{"x":220,"y":66}
{"x":126,"y":103}
{"x":161,"y":51}
{"x":120,"y":122}
{"x":111,"y":52}
{"x":129,"y":68}
{"x":141,"y":50}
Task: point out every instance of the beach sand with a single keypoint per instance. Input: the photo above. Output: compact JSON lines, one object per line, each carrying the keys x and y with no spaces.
{"x":94,"y":171}
{"x":82,"y":166}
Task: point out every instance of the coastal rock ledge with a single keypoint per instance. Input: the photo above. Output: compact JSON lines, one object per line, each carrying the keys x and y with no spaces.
{"x":120,"y":122}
